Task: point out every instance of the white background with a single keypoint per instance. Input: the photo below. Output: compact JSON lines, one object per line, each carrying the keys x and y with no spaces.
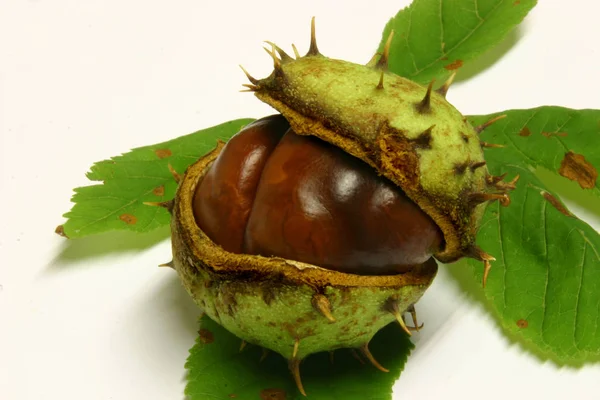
{"x":81,"y":81}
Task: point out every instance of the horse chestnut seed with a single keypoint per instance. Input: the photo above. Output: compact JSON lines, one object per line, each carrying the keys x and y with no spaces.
{"x":274,"y":193}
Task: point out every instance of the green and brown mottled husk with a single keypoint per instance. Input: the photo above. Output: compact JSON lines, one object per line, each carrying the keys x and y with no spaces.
{"x":292,"y":308}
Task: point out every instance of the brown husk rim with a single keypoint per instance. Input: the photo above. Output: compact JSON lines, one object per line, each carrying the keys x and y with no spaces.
{"x":229,"y":266}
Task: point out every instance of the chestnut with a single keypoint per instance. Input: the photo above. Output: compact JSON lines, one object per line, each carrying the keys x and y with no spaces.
{"x":274,"y":193}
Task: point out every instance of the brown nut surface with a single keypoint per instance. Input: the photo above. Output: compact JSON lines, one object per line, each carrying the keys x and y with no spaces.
{"x":225,"y":196}
{"x":274,"y":193}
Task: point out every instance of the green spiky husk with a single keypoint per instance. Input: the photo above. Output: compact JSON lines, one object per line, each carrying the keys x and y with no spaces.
{"x":270,"y":301}
{"x":345,"y":104}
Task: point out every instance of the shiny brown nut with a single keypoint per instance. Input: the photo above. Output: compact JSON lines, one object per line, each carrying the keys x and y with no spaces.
{"x":272,"y":192}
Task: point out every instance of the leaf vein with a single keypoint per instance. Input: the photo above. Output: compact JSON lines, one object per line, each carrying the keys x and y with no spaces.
{"x":407,"y":38}
{"x":502,"y":255}
{"x":476,"y":4}
{"x":545,"y":302}
{"x":578,"y":296}
{"x":441,"y":11}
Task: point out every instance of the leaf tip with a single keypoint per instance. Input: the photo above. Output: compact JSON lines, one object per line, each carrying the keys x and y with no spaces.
{"x":60,"y":231}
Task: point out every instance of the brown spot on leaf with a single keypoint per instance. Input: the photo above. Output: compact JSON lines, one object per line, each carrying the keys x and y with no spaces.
{"x":206,"y":336}
{"x":233,"y":396}
{"x":557,"y":204}
{"x":454,"y":65}
{"x":522,"y":323}
{"x":60,"y":230}
{"x":525,"y":132}
{"x":550,"y":134}
{"x":576,"y":168}
{"x":517,"y":2}
{"x":128,"y":219}
{"x":163,"y":153}
{"x":159,"y":191}
{"x":273,"y":394}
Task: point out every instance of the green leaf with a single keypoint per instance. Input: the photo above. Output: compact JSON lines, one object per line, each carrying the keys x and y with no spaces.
{"x":545,"y":284}
{"x":544,"y":136}
{"x":218,"y":370}
{"x":434,"y":37}
{"x":142,"y":175}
